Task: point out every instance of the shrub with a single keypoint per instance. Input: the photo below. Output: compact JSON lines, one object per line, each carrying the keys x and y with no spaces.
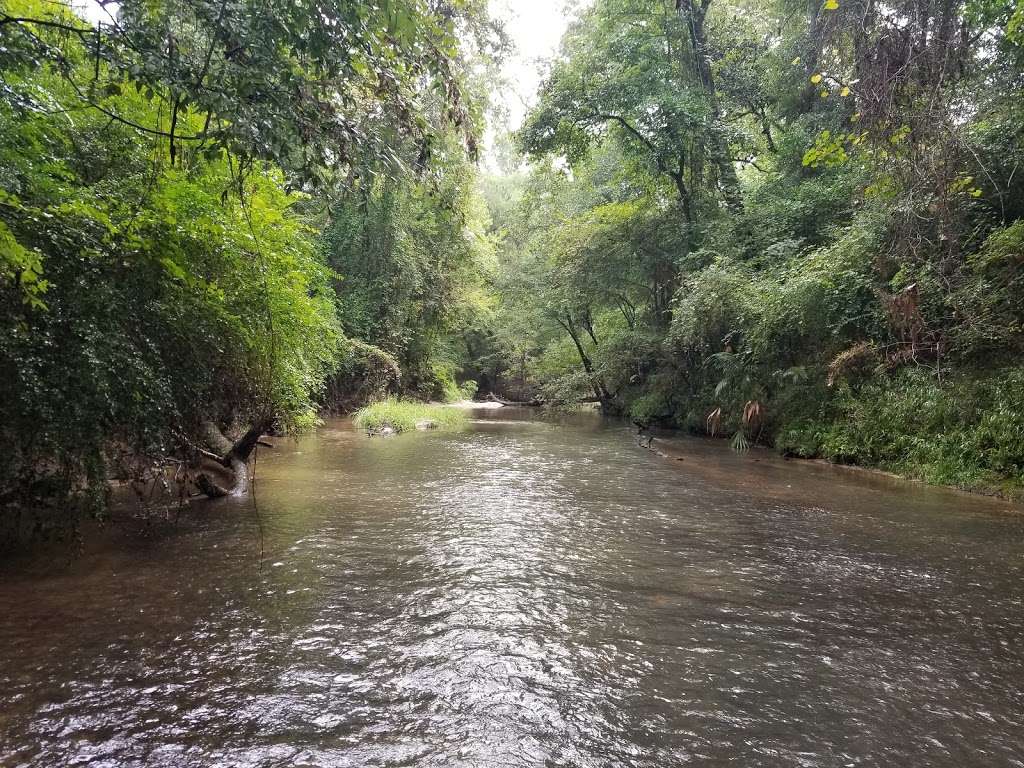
{"x":467,"y":390}
{"x":967,"y":431}
{"x":650,"y":408}
{"x":366,"y":373}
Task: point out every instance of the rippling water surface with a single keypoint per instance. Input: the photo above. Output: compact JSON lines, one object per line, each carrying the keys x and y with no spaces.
{"x":528,"y":594}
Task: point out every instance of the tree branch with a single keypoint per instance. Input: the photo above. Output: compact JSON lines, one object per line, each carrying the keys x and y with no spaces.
{"x":629,"y":128}
{"x":80,"y":31}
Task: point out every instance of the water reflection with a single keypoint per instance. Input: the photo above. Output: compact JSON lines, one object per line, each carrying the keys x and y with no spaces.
{"x":529,"y":594}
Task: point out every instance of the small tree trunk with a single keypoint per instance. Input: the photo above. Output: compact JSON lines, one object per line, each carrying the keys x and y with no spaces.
{"x":234,"y":457}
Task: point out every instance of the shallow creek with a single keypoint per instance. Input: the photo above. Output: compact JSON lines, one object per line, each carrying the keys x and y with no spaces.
{"x":527,"y":593}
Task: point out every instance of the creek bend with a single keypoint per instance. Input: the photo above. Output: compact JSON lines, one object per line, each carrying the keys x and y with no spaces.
{"x":526,"y":593}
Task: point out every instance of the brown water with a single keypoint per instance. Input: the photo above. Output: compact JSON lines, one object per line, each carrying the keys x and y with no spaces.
{"x":528,"y":594}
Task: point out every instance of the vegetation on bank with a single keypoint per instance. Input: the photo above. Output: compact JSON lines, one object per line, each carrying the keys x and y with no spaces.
{"x":966,"y":432}
{"x":219,"y":215}
{"x":407,"y":416}
{"x":789,"y":222}
{"x":794,"y":223}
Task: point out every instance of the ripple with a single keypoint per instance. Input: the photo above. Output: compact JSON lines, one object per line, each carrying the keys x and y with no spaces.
{"x":527,"y":594}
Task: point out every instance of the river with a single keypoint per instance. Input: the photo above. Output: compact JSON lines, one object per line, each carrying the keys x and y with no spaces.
{"x":527,"y":593}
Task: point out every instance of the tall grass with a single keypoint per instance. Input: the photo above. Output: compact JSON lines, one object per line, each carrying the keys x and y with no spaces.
{"x":404,"y":415}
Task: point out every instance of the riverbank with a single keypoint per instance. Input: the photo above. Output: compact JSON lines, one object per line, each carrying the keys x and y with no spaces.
{"x":675,"y":445}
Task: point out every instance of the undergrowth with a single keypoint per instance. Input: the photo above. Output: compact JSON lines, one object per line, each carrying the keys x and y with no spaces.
{"x":966,"y":432}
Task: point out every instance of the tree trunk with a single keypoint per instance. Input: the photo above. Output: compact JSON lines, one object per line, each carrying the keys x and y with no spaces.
{"x":694,"y":15}
{"x":604,"y":397}
{"x":232,"y":457}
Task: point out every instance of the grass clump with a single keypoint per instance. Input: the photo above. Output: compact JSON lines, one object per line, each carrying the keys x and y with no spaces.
{"x":404,"y":415}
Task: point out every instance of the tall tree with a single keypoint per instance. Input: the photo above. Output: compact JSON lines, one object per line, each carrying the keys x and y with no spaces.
{"x":644,"y":72}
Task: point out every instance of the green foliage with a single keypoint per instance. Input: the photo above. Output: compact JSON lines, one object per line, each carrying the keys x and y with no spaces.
{"x":313,"y":87}
{"x":968,"y":431}
{"x":411,"y":255}
{"x":407,"y":416}
{"x":159,"y":265}
{"x":990,"y":295}
{"x":165,"y":303}
{"x":645,"y":83}
{"x":467,"y":390}
{"x":650,"y":408}
{"x":364,"y":374}
{"x":828,"y":150}
{"x":1015,"y":27}
{"x":782,"y":222}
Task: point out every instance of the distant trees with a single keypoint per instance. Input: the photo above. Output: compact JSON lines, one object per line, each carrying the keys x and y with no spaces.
{"x":412,"y":253}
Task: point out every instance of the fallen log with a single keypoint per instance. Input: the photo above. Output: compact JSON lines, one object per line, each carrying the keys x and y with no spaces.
{"x":492,"y":398}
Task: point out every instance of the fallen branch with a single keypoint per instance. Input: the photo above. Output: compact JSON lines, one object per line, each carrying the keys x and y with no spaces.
{"x":530,"y":404}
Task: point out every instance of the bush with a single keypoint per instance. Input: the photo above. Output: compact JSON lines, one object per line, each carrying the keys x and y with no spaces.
{"x":467,"y":390}
{"x":366,"y":373}
{"x":650,"y":408}
{"x":967,"y":432}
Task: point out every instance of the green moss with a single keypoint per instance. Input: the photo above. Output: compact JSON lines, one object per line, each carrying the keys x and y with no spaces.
{"x":404,"y":415}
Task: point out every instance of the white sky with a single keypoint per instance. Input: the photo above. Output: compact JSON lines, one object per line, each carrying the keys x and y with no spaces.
{"x":535,"y":28}
{"x":91,"y":10}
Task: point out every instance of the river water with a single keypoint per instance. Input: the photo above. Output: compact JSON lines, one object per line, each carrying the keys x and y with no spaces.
{"x":527,"y":593}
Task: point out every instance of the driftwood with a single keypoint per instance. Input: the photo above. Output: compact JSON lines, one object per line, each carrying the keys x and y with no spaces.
{"x":233,"y":457}
{"x":529,"y":404}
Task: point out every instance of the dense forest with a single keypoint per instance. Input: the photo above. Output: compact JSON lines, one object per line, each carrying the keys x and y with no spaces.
{"x":791,"y":222}
{"x":787,"y":222}
{"x":223,"y":217}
